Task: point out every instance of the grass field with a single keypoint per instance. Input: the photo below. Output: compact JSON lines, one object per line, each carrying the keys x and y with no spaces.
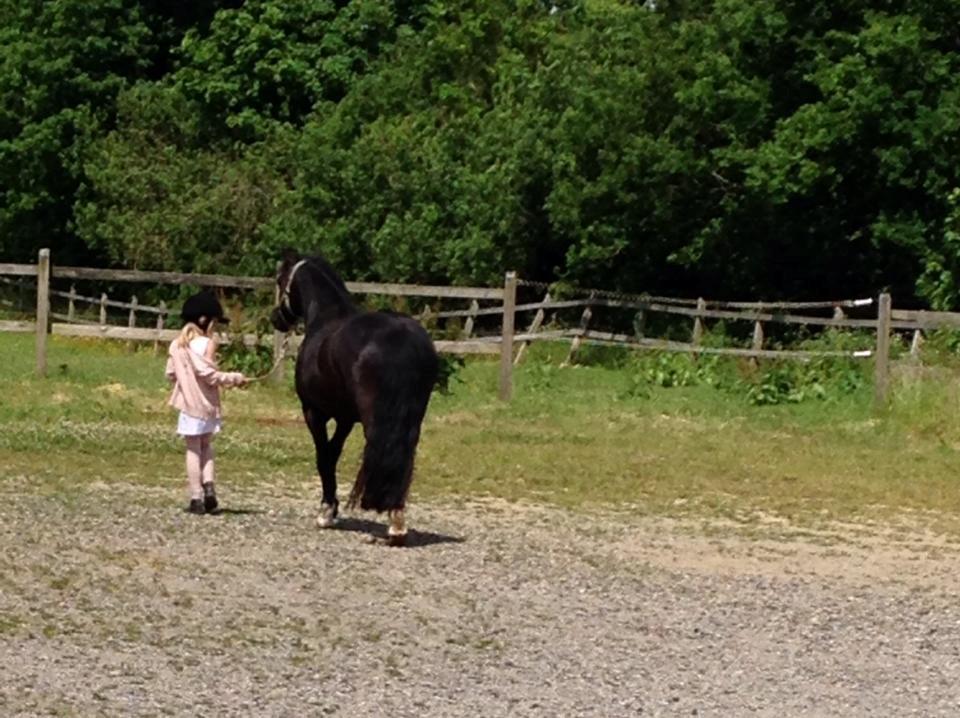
{"x":572,"y":437}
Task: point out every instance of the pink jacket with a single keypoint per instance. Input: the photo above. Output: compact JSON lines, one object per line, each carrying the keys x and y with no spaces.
{"x":197,"y":382}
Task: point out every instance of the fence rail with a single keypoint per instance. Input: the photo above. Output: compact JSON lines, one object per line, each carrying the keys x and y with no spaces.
{"x":70,"y":324}
{"x":8,"y":325}
{"x":149,"y":277}
{"x":18,"y":270}
{"x":698,"y":310}
{"x":686,"y":301}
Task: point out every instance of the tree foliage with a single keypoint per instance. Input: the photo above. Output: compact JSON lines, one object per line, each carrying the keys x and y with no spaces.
{"x":715,"y":147}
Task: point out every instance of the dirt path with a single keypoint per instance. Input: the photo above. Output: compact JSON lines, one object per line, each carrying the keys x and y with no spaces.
{"x":116,"y":603}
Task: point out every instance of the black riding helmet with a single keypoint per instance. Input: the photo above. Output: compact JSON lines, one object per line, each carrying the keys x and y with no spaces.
{"x":201,"y":308}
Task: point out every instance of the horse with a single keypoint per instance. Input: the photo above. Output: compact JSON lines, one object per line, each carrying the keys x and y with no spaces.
{"x":375,"y":368}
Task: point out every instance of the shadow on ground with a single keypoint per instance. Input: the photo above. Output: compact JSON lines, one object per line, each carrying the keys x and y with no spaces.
{"x":378,"y":531}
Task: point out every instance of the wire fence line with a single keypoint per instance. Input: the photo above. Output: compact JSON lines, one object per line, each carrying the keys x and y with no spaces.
{"x":558,"y":289}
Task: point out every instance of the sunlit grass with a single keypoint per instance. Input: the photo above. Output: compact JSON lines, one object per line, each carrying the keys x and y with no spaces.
{"x":573,"y":436}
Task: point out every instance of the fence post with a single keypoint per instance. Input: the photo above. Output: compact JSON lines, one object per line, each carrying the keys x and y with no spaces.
{"x":160,"y":317}
{"x":427,"y":318}
{"x":468,"y":325}
{"x":640,"y":321}
{"x":757,"y":343}
{"x":915,"y":345}
{"x":584,"y":325}
{"x":71,"y":307}
{"x":103,"y":309}
{"x":506,"y":339}
{"x":698,"y":322}
{"x":276,"y":376}
{"x":881,"y":376}
{"x":533,"y":328}
{"x":757,"y":336}
{"x":132,"y":320}
{"x":43,"y":309}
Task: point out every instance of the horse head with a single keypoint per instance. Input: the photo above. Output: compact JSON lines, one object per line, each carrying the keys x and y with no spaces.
{"x":289,"y":307}
{"x":309,"y":289}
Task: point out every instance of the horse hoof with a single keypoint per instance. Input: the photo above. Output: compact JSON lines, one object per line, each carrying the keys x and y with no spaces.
{"x":397,"y":539}
{"x":326,"y":522}
{"x":327,"y":519}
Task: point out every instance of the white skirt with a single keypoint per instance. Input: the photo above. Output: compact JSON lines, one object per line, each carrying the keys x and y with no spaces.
{"x":193,"y":426}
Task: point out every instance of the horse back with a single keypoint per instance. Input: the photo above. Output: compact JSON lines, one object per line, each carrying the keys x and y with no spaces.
{"x":368,"y":359}
{"x":387,"y":343}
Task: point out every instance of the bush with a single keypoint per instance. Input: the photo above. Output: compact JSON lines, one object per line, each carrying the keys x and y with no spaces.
{"x":782,"y":381}
{"x":450,"y":366}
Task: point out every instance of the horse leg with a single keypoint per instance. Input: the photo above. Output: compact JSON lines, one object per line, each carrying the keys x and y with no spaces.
{"x":329,"y":506}
{"x":327,"y":467}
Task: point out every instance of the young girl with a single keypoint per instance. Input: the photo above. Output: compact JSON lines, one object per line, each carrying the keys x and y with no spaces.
{"x":192,"y":368}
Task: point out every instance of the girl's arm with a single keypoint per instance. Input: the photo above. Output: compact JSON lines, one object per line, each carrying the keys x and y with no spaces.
{"x":208,"y":373}
{"x":210,"y":355}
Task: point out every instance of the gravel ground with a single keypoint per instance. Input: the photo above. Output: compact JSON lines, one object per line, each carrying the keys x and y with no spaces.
{"x":130,"y":607}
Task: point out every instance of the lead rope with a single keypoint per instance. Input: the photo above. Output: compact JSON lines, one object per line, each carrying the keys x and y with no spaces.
{"x":281,"y":355}
{"x":284,"y":301}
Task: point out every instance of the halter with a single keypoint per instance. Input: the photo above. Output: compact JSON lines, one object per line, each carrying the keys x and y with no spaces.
{"x":285,"y":309}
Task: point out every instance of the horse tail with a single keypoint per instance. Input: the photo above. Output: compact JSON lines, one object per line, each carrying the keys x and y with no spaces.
{"x":392,"y":436}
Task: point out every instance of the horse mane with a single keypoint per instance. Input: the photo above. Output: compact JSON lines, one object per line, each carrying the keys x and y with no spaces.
{"x":318,"y":262}
{"x":332,"y":282}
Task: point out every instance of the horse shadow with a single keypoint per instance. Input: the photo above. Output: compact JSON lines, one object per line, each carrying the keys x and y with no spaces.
{"x":236,"y":512}
{"x":378,"y":531}
{"x":375,"y":529}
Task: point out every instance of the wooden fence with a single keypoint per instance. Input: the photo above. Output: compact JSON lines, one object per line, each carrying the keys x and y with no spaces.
{"x":509,"y":344}
{"x":71,"y":324}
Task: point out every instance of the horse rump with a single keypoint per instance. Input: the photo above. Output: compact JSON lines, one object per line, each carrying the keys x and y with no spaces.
{"x":400,"y":391}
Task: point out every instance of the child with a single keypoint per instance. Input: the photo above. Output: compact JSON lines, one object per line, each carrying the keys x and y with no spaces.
{"x":192,"y":368}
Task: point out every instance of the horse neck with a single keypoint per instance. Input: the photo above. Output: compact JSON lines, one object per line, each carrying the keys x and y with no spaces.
{"x":323,"y":303}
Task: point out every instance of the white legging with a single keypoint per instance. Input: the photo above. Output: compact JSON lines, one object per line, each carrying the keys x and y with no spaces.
{"x":199,"y":463}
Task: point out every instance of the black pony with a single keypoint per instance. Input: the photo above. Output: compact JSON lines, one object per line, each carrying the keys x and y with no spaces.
{"x":377,"y":368}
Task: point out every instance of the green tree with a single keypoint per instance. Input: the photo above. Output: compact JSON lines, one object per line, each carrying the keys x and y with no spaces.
{"x":162,"y":198}
{"x":271,"y":61}
{"x":62,"y":65}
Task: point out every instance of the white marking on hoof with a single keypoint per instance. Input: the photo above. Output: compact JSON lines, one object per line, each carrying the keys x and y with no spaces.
{"x":397,"y":530}
{"x":327,"y":518}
